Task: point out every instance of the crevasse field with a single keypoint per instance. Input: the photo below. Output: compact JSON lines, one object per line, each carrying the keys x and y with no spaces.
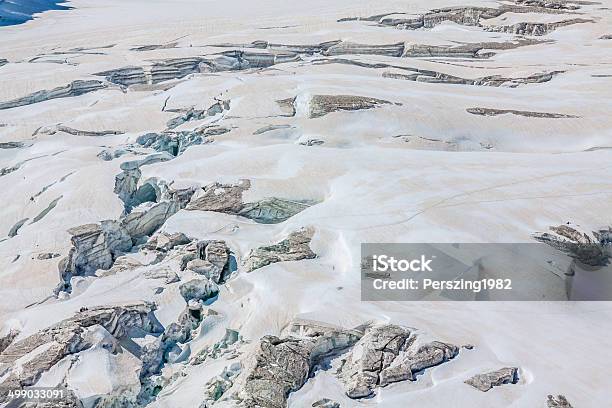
{"x":185,"y":186}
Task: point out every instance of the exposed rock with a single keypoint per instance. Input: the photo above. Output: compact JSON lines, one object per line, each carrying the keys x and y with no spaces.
{"x":192,"y":114}
{"x":218,"y":385}
{"x":238,"y":60}
{"x":198,"y":289}
{"x":155,"y":354}
{"x":536,"y":29}
{"x":69,"y":337}
{"x":420,"y":75}
{"x":3,"y":61}
{"x":484,"y":382}
{"x":496,"y":112}
{"x":75,"y":88}
{"x":145,"y":219}
{"x":592,"y":249}
{"x":321,"y":105}
{"x":76,"y":132}
{"x":270,"y":128}
{"x":552,"y":4}
{"x":126,"y":185}
{"x":176,"y":143}
{"x":7,"y":339}
{"x":217,"y":253}
{"x":126,"y":182}
{"x":125,"y":76}
{"x":557,"y":402}
{"x":312,"y":142}
{"x":426,"y":356}
{"x":225,"y":198}
{"x":325,"y":403}
{"x":282,"y":365}
{"x":174,"y":68}
{"x":177,"y":68}
{"x":293,"y":248}
{"x":46,"y":211}
{"x":374,"y":352}
{"x":457,"y":51}
{"x":205,"y":268}
{"x":94,"y":246}
{"x":468,"y":16}
{"x":349,"y":48}
{"x":12,"y":145}
{"x":155,"y":47}
{"x":46,"y":255}
{"x":287,"y":106}
{"x":307,"y":49}
{"x":120,"y":264}
{"x":164,"y":241}
{"x":16,"y":227}
{"x":7,"y":170}
{"x":387,"y":354}
{"x":108,"y":155}
{"x":226,"y":347}
{"x":273,"y":210}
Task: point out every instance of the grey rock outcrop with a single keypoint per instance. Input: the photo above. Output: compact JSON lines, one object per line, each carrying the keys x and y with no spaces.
{"x":165,"y":242}
{"x":228,"y":198}
{"x":484,"y":382}
{"x":218,"y":254}
{"x":536,"y":29}
{"x":205,"y":268}
{"x":225,"y":198}
{"x":152,"y":47}
{"x":145,"y":219}
{"x":270,"y":128}
{"x":321,"y":105}
{"x":12,"y":145}
{"x":75,"y":88}
{"x":7,"y":339}
{"x":349,"y":48}
{"x":325,"y":403}
{"x":127,"y":182}
{"x":166,"y":348}
{"x":282,"y":365}
{"x":16,"y":227}
{"x":529,"y":114}
{"x":273,"y":210}
{"x":68,"y":337}
{"x":217,"y":108}
{"x":552,"y":4}
{"x":387,"y":354}
{"x":594,"y":249}
{"x":94,"y":246}
{"x":557,"y":402}
{"x":287,"y":106}
{"x":198,"y":289}
{"x":76,"y":132}
{"x":125,"y":76}
{"x":435,"y":77}
{"x":374,"y":352}
{"x":426,"y":356}
{"x":293,"y":248}
{"x":176,"y":143}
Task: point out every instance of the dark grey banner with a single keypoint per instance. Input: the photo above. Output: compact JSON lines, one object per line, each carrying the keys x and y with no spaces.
{"x":525,"y":271}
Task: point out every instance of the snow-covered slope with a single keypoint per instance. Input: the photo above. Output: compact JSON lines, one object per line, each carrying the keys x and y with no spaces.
{"x":183,"y":179}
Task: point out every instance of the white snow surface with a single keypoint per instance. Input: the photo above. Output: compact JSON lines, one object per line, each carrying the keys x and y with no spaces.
{"x":373,"y":183}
